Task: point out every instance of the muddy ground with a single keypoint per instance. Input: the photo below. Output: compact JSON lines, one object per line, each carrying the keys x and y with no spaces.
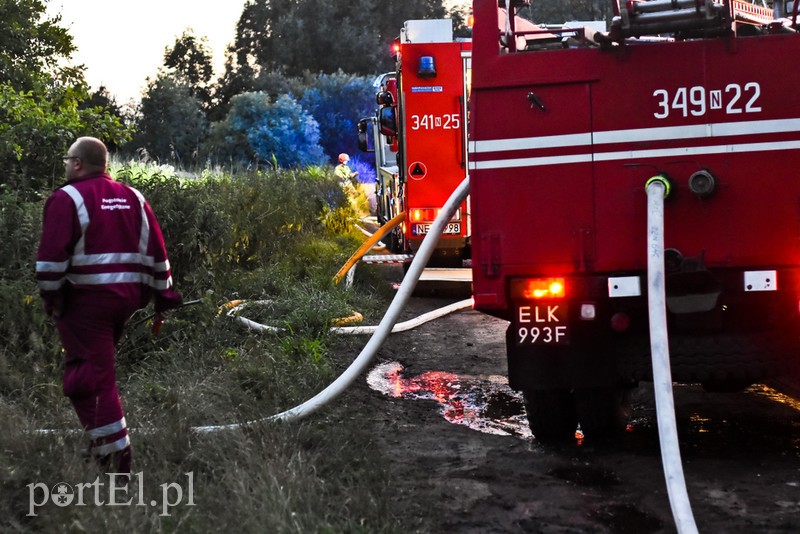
{"x":741,"y":452}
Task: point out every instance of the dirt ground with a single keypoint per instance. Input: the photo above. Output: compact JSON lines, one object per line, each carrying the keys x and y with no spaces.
{"x":741,"y":452}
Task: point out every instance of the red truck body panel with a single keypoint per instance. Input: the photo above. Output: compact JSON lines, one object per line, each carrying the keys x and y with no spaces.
{"x":564,"y":135}
{"x":561,"y":190}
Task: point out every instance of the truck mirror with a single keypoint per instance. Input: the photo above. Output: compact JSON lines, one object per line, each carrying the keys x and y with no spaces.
{"x":388,"y":121}
{"x":363,"y":143}
{"x":385,"y":98}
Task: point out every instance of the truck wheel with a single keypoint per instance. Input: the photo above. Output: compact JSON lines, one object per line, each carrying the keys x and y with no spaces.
{"x":602,"y":411}
{"x":551,"y":414}
{"x":396,"y":244}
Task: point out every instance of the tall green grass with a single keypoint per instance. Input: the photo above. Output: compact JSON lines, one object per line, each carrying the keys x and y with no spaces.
{"x":278,"y":237}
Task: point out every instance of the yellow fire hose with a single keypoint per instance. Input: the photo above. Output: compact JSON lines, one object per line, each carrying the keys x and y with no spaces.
{"x":368,"y":244}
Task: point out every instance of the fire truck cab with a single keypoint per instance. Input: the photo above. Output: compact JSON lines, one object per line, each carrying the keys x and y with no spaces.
{"x":566,"y":128}
{"x":421,"y":118}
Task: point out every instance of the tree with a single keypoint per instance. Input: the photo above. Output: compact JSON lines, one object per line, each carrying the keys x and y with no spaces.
{"x":295,"y":37}
{"x":43,"y":99}
{"x":37,"y":127}
{"x":172,"y":126}
{"x":270,"y":82}
{"x":189,"y":60}
{"x":259,"y":132}
{"x":102,"y":99}
{"x":31,"y":44}
{"x":337,"y":102}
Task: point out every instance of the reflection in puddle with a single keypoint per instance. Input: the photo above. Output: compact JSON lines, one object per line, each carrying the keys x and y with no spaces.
{"x":774,"y":395}
{"x":484,"y":403}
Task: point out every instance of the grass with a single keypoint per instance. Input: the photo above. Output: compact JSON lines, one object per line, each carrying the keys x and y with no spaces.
{"x":321,"y":474}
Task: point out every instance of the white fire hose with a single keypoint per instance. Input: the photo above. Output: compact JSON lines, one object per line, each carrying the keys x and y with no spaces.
{"x":657,"y":189}
{"x":383,"y":329}
{"x":358,"y":330}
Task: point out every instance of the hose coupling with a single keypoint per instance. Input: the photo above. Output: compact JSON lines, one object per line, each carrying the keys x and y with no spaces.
{"x":662,"y":179}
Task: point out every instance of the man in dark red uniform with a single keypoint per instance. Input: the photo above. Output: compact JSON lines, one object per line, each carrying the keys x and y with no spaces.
{"x":101,"y":257}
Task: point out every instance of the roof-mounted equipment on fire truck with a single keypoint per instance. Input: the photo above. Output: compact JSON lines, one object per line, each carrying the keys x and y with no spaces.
{"x":687,"y":18}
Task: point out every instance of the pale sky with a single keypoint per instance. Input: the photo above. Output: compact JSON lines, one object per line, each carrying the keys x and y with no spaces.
{"x":122,"y":42}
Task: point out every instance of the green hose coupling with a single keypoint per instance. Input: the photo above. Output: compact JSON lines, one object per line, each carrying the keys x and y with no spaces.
{"x":663,"y":179}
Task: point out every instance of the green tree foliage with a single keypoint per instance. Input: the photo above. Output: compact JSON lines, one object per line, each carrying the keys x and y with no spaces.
{"x":270,"y":82}
{"x":337,"y":102}
{"x":259,"y":132}
{"x":102,"y":99}
{"x":172,"y":125}
{"x":37,"y":127}
{"x":30,"y":44}
{"x":42,"y":98}
{"x":294,"y":37}
{"x":190,"y":60}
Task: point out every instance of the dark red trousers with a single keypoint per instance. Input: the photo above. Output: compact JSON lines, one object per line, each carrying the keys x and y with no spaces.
{"x":90,"y":328}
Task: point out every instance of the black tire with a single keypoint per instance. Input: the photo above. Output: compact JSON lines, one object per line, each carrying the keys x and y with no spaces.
{"x":551,"y":414}
{"x":602,"y":412}
{"x":396,"y":243}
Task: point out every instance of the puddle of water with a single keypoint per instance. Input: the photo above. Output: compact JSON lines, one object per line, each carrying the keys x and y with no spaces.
{"x":774,"y":395}
{"x":485,"y":404}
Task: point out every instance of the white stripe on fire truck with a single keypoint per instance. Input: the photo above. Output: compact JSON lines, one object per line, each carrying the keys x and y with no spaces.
{"x":721,"y":129}
{"x":666,"y":133}
{"x":528,"y":143}
{"x":529,"y":162}
{"x":634,"y":154}
{"x":697,"y":150}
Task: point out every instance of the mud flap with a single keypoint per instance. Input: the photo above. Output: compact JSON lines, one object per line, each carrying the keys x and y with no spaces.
{"x":579,"y":365}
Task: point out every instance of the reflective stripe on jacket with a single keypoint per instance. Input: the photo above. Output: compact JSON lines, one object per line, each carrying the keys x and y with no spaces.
{"x":101,"y":236}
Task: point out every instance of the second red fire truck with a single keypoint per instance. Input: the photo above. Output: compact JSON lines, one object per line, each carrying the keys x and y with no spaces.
{"x":420,"y":138}
{"x":567,"y":128}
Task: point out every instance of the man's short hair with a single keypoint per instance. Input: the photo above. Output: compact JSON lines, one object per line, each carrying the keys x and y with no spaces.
{"x":92,"y":151}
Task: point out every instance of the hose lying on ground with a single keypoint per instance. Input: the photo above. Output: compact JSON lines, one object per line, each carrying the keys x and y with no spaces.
{"x":356,"y":330}
{"x":383,"y":329}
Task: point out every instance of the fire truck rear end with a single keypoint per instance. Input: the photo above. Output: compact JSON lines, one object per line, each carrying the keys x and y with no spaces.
{"x":422,"y":117}
{"x":567,"y":128}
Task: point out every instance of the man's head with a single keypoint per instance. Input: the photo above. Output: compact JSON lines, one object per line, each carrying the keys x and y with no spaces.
{"x":86,"y":156}
{"x":344,"y":158}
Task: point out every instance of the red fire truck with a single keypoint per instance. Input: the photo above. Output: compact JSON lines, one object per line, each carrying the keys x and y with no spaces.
{"x":422,"y":121}
{"x":566,"y":128}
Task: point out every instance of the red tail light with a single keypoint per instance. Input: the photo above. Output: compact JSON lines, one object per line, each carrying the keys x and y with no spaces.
{"x":538,"y":288}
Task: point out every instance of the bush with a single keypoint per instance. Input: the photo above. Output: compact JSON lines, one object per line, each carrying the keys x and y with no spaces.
{"x":37,"y":128}
{"x":255,"y":236}
{"x":261,"y":133}
{"x":337,"y":102}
